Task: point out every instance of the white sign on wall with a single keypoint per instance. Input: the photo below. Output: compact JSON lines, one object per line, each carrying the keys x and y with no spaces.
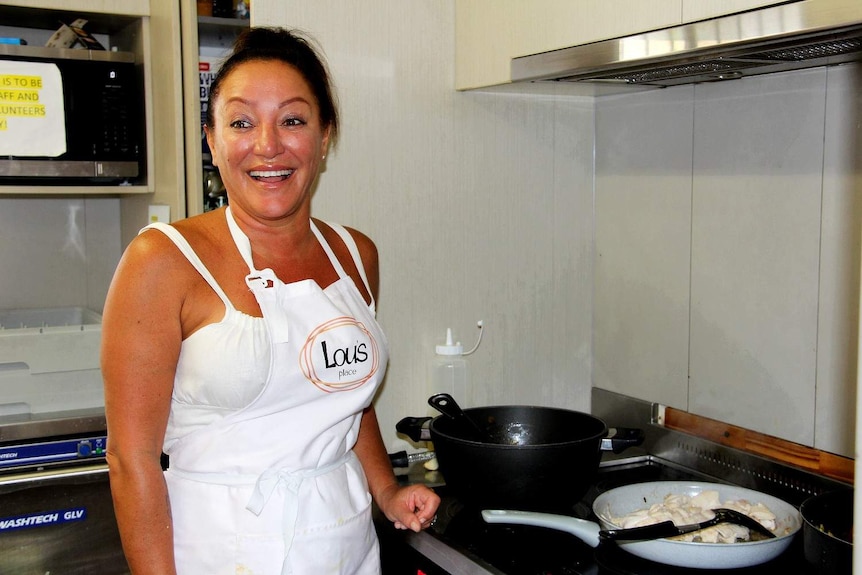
{"x":32,"y":115}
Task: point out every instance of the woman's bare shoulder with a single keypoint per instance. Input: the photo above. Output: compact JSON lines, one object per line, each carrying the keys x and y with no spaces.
{"x":366,"y":246}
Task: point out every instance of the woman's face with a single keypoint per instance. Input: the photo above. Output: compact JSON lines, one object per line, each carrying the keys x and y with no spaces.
{"x":267,"y":139}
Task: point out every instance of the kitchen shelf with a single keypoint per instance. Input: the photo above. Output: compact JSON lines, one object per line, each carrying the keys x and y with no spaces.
{"x":213,"y":35}
{"x":49,"y":19}
{"x":212,"y":30}
{"x":77,"y":190}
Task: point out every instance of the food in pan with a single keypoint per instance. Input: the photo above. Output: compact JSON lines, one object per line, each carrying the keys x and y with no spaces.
{"x":686,"y":510}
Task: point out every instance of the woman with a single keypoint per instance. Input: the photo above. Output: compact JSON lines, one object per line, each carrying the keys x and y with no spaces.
{"x":242,"y":343}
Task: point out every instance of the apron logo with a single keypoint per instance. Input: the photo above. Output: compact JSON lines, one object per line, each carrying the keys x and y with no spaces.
{"x":339,"y":355}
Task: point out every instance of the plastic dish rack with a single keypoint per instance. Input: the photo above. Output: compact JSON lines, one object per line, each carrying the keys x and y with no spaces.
{"x":49,"y":360}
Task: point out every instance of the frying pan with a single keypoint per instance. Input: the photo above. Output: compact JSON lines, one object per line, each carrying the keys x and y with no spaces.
{"x":624,"y":500}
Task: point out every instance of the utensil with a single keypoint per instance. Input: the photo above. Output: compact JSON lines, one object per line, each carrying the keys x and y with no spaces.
{"x":669,"y":529}
{"x":446,"y":404}
{"x":540,"y":459}
{"x":621,"y":501}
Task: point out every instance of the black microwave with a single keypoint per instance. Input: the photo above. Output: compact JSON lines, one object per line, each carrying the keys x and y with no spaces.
{"x":70,"y":117}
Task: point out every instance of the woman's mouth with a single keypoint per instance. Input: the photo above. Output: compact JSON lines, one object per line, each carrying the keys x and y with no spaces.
{"x":270,"y":175}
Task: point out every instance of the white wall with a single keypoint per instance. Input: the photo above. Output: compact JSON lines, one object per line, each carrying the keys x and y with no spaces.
{"x":480,"y":205}
{"x":57,"y":252}
{"x":728,"y":220}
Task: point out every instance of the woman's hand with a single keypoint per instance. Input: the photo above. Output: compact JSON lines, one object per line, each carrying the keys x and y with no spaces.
{"x":409,"y":507}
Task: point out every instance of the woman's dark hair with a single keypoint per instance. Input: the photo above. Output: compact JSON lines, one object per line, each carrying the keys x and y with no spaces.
{"x":292,"y":48}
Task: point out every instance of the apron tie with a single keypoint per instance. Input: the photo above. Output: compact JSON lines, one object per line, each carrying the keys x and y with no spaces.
{"x":292,"y":481}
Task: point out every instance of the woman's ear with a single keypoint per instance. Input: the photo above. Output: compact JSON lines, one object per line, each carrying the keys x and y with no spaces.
{"x":213,"y":151}
{"x":325,"y":146}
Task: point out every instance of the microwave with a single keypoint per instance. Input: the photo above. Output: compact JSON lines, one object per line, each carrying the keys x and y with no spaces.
{"x":70,"y":117}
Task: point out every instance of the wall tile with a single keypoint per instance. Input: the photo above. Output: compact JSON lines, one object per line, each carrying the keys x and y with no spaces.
{"x":758,"y":150}
{"x":838,"y":313}
{"x":643,"y":231}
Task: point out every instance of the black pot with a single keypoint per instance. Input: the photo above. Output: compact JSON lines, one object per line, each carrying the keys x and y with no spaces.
{"x":827,"y":531}
{"x":537,"y":458}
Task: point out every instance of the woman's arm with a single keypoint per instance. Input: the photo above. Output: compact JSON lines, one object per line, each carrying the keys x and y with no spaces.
{"x":409,"y":507}
{"x":141,"y":336}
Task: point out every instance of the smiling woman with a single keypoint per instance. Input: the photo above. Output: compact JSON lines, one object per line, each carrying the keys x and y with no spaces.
{"x":253,"y":326}
{"x":267,"y":143}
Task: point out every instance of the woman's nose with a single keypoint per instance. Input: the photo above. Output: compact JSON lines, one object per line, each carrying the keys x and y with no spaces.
{"x":268,"y":143}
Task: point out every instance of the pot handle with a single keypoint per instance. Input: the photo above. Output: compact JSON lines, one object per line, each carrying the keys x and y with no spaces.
{"x":619,"y":439}
{"x":414,"y":428}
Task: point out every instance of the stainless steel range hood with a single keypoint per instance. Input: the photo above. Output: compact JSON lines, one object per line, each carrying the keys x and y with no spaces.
{"x":789,"y":36}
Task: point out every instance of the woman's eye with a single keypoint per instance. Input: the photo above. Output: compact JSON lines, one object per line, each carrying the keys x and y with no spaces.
{"x":293,"y":122}
{"x":240,"y":124}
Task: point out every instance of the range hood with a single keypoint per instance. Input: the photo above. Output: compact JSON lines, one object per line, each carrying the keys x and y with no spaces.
{"x":788,"y":36}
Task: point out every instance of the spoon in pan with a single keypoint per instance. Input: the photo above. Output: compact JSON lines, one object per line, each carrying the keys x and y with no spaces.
{"x":445,"y":404}
{"x":668,"y":529}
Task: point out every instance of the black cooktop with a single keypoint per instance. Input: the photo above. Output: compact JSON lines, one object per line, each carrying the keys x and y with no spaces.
{"x":528,"y":550}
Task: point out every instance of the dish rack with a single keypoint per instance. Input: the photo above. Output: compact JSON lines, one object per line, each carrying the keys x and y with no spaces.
{"x":49,"y":360}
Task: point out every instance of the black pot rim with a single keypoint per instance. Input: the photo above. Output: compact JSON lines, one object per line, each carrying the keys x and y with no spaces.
{"x":817,"y":500}
{"x":507,"y":447}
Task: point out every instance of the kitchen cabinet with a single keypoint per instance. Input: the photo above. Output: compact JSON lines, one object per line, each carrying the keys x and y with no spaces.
{"x":694,"y":10}
{"x":488,"y":34}
{"x":151,"y":31}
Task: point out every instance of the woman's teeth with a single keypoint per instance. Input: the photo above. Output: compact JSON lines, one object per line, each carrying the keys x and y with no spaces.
{"x":270,"y":173}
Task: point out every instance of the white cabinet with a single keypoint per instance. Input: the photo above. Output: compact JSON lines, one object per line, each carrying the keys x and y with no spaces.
{"x":694,"y":10}
{"x":488,"y":33}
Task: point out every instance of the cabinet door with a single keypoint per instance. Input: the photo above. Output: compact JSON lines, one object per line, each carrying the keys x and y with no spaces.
{"x":694,"y":10}
{"x":488,"y":33}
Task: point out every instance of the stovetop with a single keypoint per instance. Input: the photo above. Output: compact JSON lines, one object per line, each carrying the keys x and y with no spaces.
{"x":461,"y":543}
{"x":528,"y":550}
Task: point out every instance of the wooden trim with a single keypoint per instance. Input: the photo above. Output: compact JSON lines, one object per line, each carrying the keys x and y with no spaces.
{"x":814,"y":460}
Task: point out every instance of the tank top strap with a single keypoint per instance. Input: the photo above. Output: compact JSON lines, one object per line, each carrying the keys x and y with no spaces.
{"x":240,"y":239}
{"x":186,"y":249}
{"x":351,"y":247}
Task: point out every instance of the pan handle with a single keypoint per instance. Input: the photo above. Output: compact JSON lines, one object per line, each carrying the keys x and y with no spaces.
{"x":619,"y":439}
{"x":414,"y":428}
{"x":586,"y":531}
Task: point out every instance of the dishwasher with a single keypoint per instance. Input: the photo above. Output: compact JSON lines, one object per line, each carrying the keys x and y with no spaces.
{"x":56,"y":513}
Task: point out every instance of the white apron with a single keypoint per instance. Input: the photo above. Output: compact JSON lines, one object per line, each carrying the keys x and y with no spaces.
{"x":274,"y":487}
